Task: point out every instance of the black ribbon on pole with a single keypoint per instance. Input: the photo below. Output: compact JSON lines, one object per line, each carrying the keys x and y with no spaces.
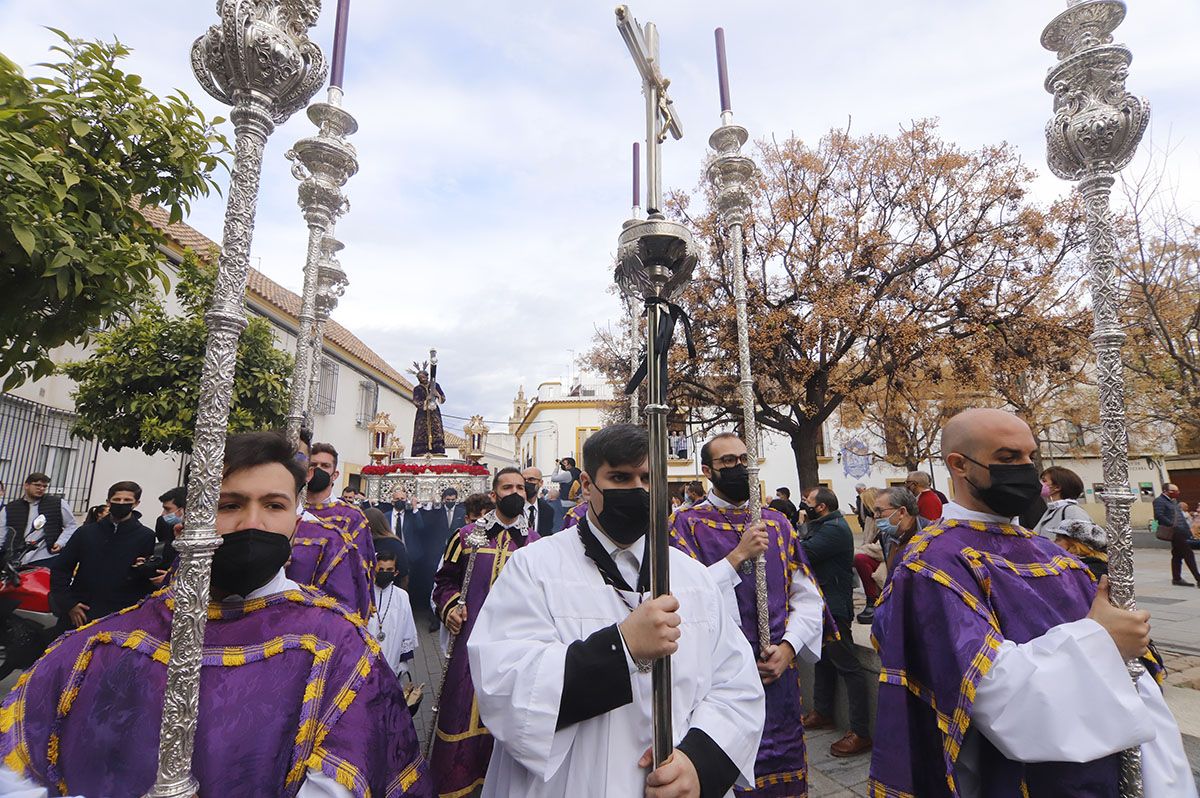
{"x":662,"y":341}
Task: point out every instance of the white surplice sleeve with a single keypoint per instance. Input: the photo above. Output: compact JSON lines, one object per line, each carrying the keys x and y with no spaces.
{"x":517,"y":665}
{"x":1166,"y":772}
{"x":733,"y":710}
{"x":318,"y":785}
{"x":727,"y":579}
{"x":1061,"y":697}
{"x":806,"y":617}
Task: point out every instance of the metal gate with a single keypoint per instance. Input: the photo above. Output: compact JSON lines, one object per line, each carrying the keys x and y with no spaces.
{"x":37,"y":437}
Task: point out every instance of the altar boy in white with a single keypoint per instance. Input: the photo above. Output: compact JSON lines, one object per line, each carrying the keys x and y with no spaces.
{"x":561,"y":651}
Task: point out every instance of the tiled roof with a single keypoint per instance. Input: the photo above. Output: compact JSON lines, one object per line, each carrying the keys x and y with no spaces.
{"x":272,"y":293}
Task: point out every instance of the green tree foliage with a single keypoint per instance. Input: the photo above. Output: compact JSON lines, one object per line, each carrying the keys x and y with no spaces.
{"x":141,"y":386}
{"x":80,"y":149}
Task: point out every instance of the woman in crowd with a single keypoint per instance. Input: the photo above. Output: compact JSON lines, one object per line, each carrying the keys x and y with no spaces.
{"x":1061,"y":488}
{"x":895,"y":523}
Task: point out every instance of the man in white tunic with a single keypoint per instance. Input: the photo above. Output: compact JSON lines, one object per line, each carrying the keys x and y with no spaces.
{"x":1002,"y":661}
{"x":561,"y":651}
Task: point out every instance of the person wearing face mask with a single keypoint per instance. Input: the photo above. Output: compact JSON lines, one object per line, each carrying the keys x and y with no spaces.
{"x":721,"y":535}
{"x":1016,"y":646}
{"x":392,"y":624}
{"x":295,"y":698}
{"x":1061,"y":489}
{"x":438,"y":522}
{"x":173,"y":503}
{"x":95,"y":573}
{"x":347,"y":516}
{"x":540,"y":513}
{"x":561,"y":655}
{"x":895,"y":517}
{"x":460,"y":754}
{"x":326,"y":556}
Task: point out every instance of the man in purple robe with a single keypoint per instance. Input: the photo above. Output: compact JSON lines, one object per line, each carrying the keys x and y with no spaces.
{"x":719,"y":533}
{"x":325,"y":553}
{"x":1002,"y":662}
{"x":346,"y":517}
{"x":462,"y":745}
{"x":295,"y":699}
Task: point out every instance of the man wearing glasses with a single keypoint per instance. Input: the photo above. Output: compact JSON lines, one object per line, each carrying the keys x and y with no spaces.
{"x":720,"y":533}
{"x":45,"y":523}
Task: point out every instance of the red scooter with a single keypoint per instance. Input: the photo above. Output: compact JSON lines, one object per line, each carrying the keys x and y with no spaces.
{"x":27,"y":625}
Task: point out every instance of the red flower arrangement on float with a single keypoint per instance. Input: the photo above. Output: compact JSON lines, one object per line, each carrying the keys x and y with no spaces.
{"x":413,"y":468}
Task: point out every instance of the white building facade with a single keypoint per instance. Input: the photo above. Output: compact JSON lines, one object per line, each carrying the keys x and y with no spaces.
{"x":35,"y":418}
{"x":556,"y":421}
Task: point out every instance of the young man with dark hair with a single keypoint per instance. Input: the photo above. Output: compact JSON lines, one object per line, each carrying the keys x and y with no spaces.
{"x":297,"y":699}
{"x":721,"y":535}
{"x":95,"y":574}
{"x":1018,"y":653}
{"x":173,"y":503}
{"x":460,"y":754}
{"x":392,"y":624}
{"x":562,"y":651}
{"x":830,"y":548}
{"x":45,"y":523}
{"x":328,"y":551}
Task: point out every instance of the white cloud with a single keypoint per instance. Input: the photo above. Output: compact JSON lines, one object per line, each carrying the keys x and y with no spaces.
{"x":494,"y":138}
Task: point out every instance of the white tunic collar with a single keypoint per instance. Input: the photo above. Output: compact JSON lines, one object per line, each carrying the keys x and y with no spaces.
{"x":717,"y":501}
{"x":278,"y":584}
{"x":959,"y":513}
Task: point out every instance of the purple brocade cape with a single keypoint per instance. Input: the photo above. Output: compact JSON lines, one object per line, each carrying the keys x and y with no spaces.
{"x":325,"y":556}
{"x":709,"y":534}
{"x":463,"y":748}
{"x":574,"y":514}
{"x":961,"y":589}
{"x":351,"y":521}
{"x":288,"y":683}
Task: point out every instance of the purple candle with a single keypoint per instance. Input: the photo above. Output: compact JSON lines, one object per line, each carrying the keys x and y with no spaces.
{"x":722,"y":71}
{"x":637,"y":176}
{"x":338,"y":68}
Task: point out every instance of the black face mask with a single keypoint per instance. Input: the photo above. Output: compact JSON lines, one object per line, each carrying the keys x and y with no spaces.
{"x":626,"y":514}
{"x":384,"y":578}
{"x":511,"y":506}
{"x":119,"y":511}
{"x":531,"y":491}
{"x":319,"y":481}
{"x":401,"y":506}
{"x":247,"y":559}
{"x":1013,"y":487}
{"x":733,"y":482}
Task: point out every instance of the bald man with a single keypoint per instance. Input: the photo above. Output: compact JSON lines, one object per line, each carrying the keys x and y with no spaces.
{"x":1002,"y":660}
{"x":538,"y":512}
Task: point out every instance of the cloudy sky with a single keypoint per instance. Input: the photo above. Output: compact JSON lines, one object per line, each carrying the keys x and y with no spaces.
{"x":494,"y":138}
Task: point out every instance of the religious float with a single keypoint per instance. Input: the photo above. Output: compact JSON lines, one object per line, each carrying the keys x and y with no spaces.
{"x":424,"y":477}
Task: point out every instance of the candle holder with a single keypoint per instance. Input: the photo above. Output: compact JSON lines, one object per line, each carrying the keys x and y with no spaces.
{"x":731,"y":174}
{"x":381,"y":430}
{"x":323,"y":164}
{"x":331,"y":284}
{"x":1093,"y":134}
{"x":259,"y":60}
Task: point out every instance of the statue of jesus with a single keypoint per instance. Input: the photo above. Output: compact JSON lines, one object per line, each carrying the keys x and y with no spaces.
{"x":429,"y":437}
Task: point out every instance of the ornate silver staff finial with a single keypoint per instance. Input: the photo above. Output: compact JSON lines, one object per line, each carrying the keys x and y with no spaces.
{"x":731,"y":173}
{"x":655,"y":258}
{"x":1094,"y":133}
{"x":331,"y":284}
{"x":322,"y":163}
{"x":258,"y":59}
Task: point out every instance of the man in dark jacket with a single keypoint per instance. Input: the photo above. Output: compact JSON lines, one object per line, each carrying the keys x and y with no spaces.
{"x":538,"y":511}
{"x":95,"y":574}
{"x":830,"y":550}
{"x":1169,"y":515}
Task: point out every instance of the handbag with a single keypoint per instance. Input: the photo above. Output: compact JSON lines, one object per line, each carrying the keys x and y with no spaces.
{"x":1162,"y":532}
